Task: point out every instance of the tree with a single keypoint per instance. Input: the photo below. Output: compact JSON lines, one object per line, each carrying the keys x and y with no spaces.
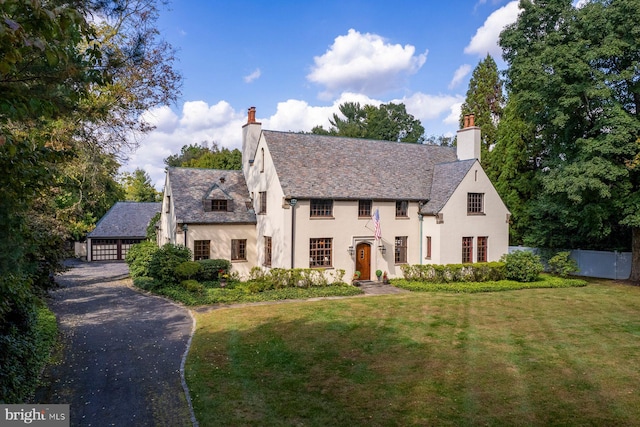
{"x":138,"y":187}
{"x":72,"y":91}
{"x":388,"y":122}
{"x":485,"y":100}
{"x":201,"y":156}
{"x":575,"y":74}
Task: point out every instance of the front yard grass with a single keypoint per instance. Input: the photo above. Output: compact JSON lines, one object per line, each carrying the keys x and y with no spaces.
{"x":565,"y":356}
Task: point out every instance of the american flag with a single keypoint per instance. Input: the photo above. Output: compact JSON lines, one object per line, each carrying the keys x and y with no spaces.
{"x":376,"y":225}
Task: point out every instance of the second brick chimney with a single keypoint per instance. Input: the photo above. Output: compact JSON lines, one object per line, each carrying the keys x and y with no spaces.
{"x":468,"y":139}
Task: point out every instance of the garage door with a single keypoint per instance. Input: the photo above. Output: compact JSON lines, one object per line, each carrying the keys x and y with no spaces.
{"x":111,"y":249}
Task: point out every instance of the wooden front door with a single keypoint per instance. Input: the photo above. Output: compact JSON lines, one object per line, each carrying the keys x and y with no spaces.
{"x":363,"y":260}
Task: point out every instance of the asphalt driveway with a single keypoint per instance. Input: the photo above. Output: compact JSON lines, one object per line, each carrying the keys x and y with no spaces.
{"x":122,"y":351}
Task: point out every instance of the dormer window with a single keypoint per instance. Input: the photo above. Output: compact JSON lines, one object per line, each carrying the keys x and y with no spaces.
{"x":218,"y":205}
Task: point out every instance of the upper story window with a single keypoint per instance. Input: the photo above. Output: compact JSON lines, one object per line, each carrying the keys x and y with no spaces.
{"x":475,"y":203}
{"x":364,"y":208}
{"x":261,"y":160}
{"x":402,"y":208}
{"x":263,"y":202}
{"x":321,"y":208}
{"x":218,"y":205}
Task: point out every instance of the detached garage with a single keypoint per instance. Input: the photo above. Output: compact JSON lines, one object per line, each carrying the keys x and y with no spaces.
{"x":123,"y":226}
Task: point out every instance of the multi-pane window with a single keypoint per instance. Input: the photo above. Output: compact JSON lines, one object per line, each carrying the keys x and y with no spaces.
{"x":364,"y":208}
{"x":428,"y":247}
{"x":483,"y":247}
{"x":467,"y":249}
{"x":320,"y":252}
{"x":402,"y":208}
{"x":321,"y":208}
{"x":475,"y":203}
{"x":201,"y":249}
{"x":267,"y":251}
{"x":401,"y":250}
{"x":239,"y":249}
{"x":263,"y":202}
{"x":218,"y":205}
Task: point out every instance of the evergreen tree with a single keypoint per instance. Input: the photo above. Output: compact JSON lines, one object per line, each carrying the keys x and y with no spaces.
{"x":485,"y":100}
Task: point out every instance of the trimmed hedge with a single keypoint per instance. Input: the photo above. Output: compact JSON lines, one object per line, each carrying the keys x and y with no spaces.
{"x":280,"y":278}
{"x":545,"y":281}
{"x":433,"y":273}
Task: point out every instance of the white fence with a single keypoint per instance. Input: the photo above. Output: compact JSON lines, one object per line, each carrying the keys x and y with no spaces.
{"x":607,"y":265}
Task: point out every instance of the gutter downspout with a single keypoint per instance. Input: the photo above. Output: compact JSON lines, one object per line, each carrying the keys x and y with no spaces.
{"x":420,"y":221}
{"x":293,"y":203}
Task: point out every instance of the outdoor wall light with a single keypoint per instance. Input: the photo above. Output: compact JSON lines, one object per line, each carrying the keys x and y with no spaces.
{"x":351,"y":250}
{"x":383,"y":250}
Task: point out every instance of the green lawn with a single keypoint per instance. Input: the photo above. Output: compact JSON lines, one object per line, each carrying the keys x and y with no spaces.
{"x":568,"y":356}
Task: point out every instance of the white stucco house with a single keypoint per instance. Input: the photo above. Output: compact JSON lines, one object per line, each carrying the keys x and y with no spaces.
{"x":304,"y":200}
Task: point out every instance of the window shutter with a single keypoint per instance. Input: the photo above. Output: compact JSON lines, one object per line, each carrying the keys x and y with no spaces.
{"x":229,"y":205}
{"x":206,"y":205}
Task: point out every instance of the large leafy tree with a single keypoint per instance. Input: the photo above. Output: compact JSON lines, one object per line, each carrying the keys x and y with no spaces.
{"x":206,"y":155}
{"x":388,"y":122}
{"x":485,"y":100}
{"x":575,"y":73}
{"x":72,"y":90}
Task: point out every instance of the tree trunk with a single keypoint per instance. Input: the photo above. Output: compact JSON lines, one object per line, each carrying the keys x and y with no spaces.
{"x":635,"y":256}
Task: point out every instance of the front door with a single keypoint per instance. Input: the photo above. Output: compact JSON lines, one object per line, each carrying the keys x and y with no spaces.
{"x":363,"y":260}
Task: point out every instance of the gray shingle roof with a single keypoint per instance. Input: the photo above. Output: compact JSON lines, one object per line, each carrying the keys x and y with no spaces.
{"x":446,"y":178}
{"x":190,"y":186}
{"x":318,"y":166}
{"x":126,"y":220}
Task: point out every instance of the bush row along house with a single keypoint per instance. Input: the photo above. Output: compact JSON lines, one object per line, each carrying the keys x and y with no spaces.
{"x":304,"y":200}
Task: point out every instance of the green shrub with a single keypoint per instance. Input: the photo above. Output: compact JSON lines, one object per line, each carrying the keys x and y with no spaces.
{"x":562,"y":264}
{"x":522,"y":266}
{"x":452,"y":273}
{"x":192,"y":286}
{"x":139,"y":257}
{"x":187,"y":269}
{"x":146,"y":283}
{"x":211,"y":268}
{"x":164,"y":261}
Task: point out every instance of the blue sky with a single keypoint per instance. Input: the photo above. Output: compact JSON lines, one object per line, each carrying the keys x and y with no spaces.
{"x":297,"y":61}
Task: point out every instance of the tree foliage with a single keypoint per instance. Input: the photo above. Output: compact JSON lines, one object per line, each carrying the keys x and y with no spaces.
{"x":203,"y":156}
{"x":75,"y":78}
{"x":138,"y":188}
{"x":388,"y":122}
{"x":485,"y":100}
{"x":575,"y":74}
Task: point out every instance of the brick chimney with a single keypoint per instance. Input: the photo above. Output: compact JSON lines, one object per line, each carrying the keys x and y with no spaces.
{"x":468,"y":139}
{"x":250,"y":137}
{"x":252,"y":115}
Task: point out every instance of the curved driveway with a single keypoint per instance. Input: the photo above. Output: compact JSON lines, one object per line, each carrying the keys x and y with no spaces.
{"x":122,"y":351}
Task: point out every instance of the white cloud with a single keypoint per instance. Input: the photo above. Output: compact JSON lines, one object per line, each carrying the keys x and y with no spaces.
{"x":485,"y":41}
{"x":578,"y":4}
{"x":460,"y":74}
{"x":253,"y":76}
{"x":429,"y":107}
{"x":454,"y":114}
{"x":220,"y":123}
{"x":364,"y":63}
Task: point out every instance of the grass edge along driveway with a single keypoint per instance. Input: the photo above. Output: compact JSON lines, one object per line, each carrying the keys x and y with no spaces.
{"x":529,"y":357}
